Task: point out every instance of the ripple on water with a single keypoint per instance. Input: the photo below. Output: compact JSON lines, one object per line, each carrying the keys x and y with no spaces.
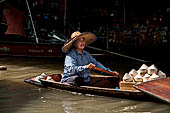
{"x":19,"y":97}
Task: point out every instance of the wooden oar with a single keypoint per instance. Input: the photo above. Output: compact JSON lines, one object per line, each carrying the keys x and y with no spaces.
{"x":102,"y":70}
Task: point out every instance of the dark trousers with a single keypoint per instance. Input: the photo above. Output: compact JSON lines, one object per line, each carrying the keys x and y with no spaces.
{"x":76,"y":80}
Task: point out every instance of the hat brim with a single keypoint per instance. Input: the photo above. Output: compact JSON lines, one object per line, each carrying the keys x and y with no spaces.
{"x":89,"y":38}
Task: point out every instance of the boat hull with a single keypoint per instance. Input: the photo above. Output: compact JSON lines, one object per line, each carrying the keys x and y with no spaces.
{"x":105,"y":86}
{"x":136,"y":95}
{"x":30,"y":49}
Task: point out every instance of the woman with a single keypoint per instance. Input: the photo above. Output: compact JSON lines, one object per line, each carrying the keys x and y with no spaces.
{"x":78,"y":62}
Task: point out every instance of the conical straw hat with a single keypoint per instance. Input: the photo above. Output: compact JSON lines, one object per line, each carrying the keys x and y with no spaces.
{"x":89,"y":38}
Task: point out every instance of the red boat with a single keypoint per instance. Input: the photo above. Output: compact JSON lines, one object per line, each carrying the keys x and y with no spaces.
{"x":15,"y":41}
{"x":30,"y":49}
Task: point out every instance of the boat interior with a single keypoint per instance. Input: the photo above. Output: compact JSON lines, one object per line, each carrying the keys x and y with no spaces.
{"x":102,"y":81}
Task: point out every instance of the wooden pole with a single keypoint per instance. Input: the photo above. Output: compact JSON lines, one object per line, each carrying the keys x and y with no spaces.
{"x":65,"y":16}
{"x":32,"y":22}
{"x":102,"y":70}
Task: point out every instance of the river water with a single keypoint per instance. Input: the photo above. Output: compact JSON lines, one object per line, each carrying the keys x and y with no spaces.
{"x":16,"y":96}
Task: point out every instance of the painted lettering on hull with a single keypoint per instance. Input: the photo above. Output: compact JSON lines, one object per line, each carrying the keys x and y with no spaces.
{"x":36,"y":51}
{"x":5,"y":49}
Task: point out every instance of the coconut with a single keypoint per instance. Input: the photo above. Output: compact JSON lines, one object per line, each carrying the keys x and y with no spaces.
{"x":133,"y":73}
{"x":138,"y":78}
{"x":127,"y":78}
{"x":161,"y":74}
{"x":152,"y":69}
{"x":146,"y":77}
{"x":154,"y":76}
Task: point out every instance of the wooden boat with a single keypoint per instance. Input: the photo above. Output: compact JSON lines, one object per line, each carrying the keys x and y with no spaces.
{"x":99,"y":85}
{"x":17,"y":44}
{"x":30,"y":49}
{"x":159,"y":88}
{"x":3,"y":68}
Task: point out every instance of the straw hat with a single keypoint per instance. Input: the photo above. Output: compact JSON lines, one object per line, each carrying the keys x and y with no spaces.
{"x":152,"y":69}
{"x":89,"y":38}
{"x":127,"y":78}
{"x":161,"y":74}
{"x":133,"y":73}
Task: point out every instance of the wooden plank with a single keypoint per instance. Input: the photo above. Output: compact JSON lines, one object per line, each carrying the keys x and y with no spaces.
{"x":127,"y":86}
{"x":158,"y":88}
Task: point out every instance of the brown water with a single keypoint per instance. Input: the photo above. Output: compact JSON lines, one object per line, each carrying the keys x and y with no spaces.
{"x":16,"y":96}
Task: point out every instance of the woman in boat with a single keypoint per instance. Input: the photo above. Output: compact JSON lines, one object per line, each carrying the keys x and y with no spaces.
{"x":78,"y":62}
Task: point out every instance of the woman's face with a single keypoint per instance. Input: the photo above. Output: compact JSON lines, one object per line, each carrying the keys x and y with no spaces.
{"x":80,"y":43}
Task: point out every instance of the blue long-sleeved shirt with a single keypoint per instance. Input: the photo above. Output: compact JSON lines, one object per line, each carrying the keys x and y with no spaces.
{"x":75,"y":64}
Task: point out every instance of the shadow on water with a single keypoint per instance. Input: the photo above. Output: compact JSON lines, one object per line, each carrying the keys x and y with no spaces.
{"x":127,"y":58}
{"x":124,"y":65}
{"x":38,"y":62}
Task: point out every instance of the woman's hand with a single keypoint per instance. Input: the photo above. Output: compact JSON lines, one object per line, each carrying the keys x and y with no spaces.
{"x":90,"y":66}
{"x":115,"y":73}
